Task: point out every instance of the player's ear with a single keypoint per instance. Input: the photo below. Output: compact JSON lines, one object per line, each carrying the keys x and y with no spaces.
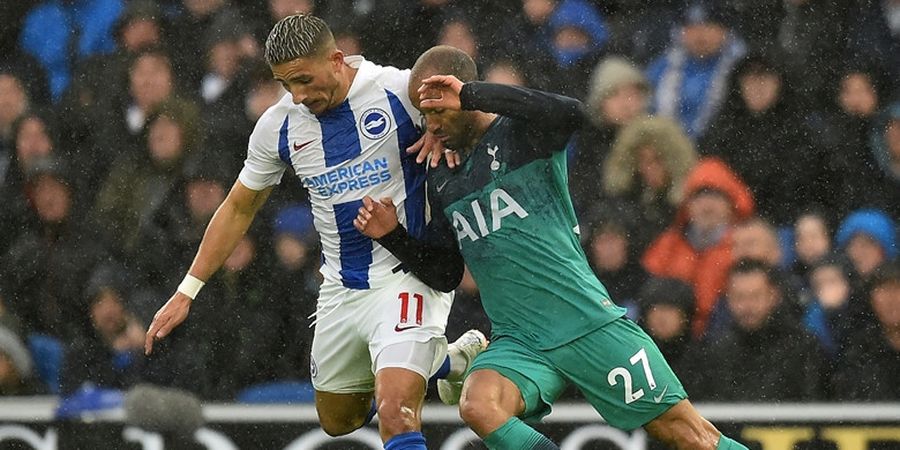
{"x":337,"y":59}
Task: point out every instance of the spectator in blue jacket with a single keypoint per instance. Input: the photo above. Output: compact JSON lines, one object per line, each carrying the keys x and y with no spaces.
{"x":690,"y":80}
{"x":60,"y":32}
{"x":869,"y":239}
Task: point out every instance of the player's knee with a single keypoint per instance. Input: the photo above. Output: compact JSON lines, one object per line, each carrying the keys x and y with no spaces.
{"x":339,"y":426}
{"x":476,"y":411}
{"x":398,"y":416}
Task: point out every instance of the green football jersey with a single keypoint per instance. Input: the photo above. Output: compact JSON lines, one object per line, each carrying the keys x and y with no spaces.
{"x":516,"y":228}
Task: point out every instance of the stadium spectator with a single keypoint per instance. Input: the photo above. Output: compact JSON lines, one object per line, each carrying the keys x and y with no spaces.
{"x":279,"y":9}
{"x":642,"y":30}
{"x":873,"y":33}
{"x":223,"y":63}
{"x":222,"y":90}
{"x":756,"y":238}
{"x":812,"y":242}
{"x":263,"y":91}
{"x":97,"y":77}
{"x":867,"y":371}
{"x":98,"y":83}
{"x":833,"y":312}
{"x":811,"y":39}
{"x":696,"y":247}
{"x":845,"y":134}
{"x":118,"y":127}
{"x":151,"y":80}
{"x":764,"y":352}
{"x":14,"y":100}
{"x":618,"y":95}
{"x":16,"y":367}
{"x":758,"y":134}
{"x":646,"y":171}
{"x":103,"y":353}
{"x":885,"y":143}
{"x":180,"y":222}
{"x":457,"y":32}
{"x":613,"y":251}
{"x":138,"y":183}
{"x":869,"y":239}
{"x":59,"y":34}
{"x":577,"y":39}
{"x":420,"y":18}
{"x":525,"y":38}
{"x":666,"y":309}
{"x":184,"y":32}
{"x":505,"y":71}
{"x":690,"y":80}
{"x":48,"y":262}
{"x":348,"y":40}
{"x":107,"y":353}
{"x":33,"y":140}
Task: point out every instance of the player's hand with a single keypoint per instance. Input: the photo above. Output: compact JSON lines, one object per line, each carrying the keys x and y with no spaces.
{"x":376,"y":219}
{"x":428,"y":145}
{"x":440,"y":92}
{"x":166,"y":319}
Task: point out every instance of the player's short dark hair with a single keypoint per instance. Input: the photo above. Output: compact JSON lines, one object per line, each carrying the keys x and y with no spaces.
{"x":297,"y":36}
{"x":444,"y":60}
{"x":746,"y":266}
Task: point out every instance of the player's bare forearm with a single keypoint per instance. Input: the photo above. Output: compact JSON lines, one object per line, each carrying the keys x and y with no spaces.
{"x":226,"y":229}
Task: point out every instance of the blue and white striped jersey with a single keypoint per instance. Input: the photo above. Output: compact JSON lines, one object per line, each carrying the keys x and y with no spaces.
{"x":354,"y":150}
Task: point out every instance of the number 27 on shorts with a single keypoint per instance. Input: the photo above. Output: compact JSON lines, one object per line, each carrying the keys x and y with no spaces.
{"x":623,"y":373}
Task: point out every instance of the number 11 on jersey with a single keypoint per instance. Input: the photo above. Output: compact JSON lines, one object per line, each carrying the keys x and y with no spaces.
{"x":404,"y":298}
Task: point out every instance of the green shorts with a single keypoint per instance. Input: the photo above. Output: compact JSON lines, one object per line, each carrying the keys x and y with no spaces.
{"x":617,"y":367}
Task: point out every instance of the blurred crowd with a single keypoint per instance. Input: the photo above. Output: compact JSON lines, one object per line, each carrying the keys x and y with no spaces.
{"x":738,"y":186}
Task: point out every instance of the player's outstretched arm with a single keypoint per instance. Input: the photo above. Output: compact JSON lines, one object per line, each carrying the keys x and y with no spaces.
{"x":223,"y":233}
{"x":543,"y":109}
{"x":435,"y":260}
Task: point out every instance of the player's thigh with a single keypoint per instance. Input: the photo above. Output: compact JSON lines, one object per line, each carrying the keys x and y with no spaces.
{"x":621,"y":373}
{"x":538,"y":383}
{"x":407,"y":319}
{"x":340,"y":361}
{"x":419,"y":358}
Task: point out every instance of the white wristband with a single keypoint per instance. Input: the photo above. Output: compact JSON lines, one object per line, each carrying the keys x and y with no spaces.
{"x":190,"y":286}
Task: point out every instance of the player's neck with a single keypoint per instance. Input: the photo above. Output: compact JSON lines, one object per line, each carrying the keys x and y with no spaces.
{"x":348,"y":74}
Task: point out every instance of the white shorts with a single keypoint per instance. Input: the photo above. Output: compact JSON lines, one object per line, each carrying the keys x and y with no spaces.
{"x":354,"y":327}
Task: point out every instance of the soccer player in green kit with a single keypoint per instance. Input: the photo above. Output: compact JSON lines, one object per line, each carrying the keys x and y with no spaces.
{"x":553,"y":321}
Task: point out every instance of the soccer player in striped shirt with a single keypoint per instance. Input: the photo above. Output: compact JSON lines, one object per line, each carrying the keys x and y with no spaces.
{"x":343,"y":129}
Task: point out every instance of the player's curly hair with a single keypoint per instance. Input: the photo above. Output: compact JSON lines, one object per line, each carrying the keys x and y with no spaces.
{"x":297,"y":36}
